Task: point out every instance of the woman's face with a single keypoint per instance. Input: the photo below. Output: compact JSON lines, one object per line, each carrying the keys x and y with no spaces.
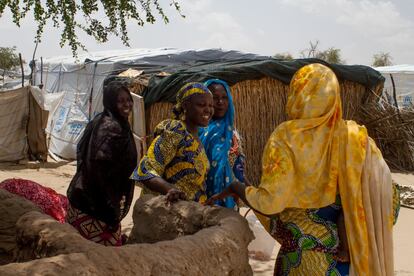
{"x":199,"y":109}
{"x":124,"y":104}
{"x":221,"y":101}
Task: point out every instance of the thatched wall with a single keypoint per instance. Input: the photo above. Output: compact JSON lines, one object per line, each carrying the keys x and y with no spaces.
{"x":260,"y":107}
{"x":393,"y":132}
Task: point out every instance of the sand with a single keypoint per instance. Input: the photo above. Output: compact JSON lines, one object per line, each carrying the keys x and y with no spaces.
{"x":57,"y":175}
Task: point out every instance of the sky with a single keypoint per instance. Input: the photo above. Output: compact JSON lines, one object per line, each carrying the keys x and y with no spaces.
{"x":359,"y":28}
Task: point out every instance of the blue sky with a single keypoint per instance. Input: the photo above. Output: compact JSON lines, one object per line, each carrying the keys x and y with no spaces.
{"x":359,"y":28}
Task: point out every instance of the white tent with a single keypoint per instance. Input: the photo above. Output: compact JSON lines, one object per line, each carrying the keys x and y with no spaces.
{"x":400,"y":78}
{"x":79,"y":83}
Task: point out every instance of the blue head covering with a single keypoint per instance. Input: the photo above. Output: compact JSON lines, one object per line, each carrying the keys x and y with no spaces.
{"x":217,"y":138}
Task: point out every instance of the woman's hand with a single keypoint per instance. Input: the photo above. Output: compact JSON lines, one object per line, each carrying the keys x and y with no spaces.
{"x":220,"y":196}
{"x":174,"y":195}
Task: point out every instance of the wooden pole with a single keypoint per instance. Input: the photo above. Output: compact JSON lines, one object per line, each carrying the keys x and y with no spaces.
{"x":394,"y":94}
{"x":21,"y":67}
{"x":41,"y":73}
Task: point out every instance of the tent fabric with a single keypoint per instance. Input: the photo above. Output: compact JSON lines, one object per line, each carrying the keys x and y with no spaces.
{"x":36,"y":135}
{"x":14,"y":112}
{"x":22,"y":125}
{"x":398,"y":69}
{"x":81,"y":81}
{"x":163,"y":89}
{"x":403,"y":78}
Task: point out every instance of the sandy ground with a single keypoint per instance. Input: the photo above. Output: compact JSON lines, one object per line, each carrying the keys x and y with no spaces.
{"x":57,"y":175}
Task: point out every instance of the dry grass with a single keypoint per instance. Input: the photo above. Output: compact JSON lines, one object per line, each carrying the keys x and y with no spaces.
{"x":136,"y":87}
{"x":155,"y":114}
{"x":393,"y":132}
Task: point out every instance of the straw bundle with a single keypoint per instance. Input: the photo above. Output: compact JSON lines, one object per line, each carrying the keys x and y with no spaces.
{"x":260,"y":108}
{"x":393,"y":132}
{"x":155,"y":114}
{"x":136,"y":87}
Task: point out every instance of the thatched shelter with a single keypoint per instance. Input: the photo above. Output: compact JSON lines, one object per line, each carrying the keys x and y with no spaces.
{"x":259,"y":90}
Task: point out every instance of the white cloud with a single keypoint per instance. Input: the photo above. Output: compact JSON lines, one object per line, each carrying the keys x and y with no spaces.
{"x":379,"y":18}
{"x":379,"y":22}
{"x":220,"y":29}
{"x":192,"y":7}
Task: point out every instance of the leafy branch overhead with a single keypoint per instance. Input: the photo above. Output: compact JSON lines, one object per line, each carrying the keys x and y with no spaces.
{"x":73,"y":16}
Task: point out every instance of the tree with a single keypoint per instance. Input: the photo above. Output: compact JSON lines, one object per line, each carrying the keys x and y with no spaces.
{"x":382,"y":59}
{"x":331,"y":55}
{"x":311,"y":51}
{"x":284,"y":56}
{"x":68,"y":15}
{"x":9,"y":59}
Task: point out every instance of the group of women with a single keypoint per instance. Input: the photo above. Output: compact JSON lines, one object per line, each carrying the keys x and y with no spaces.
{"x":325,"y":194}
{"x":192,"y":157}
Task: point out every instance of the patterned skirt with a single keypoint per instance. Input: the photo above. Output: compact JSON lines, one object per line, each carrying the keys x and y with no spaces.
{"x":93,"y":229}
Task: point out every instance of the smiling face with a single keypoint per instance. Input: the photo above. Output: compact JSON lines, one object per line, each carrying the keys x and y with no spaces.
{"x":199,"y":109}
{"x":124,"y":103}
{"x":221,"y":101}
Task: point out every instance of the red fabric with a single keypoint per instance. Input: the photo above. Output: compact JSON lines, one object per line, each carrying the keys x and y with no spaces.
{"x":52,"y":203}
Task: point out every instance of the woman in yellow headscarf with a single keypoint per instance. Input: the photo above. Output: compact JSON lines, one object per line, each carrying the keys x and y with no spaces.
{"x":176,"y":164}
{"x":318,"y":168}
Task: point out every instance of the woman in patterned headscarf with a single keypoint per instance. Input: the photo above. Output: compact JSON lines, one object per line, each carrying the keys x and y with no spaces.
{"x":222,"y":144}
{"x":176,"y":164}
{"x":318,"y":167}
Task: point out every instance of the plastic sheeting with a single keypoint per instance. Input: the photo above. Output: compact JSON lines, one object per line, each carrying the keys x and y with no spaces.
{"x":164,"y":89}
{"x":403,"y":77}
{"x":81,"y":84}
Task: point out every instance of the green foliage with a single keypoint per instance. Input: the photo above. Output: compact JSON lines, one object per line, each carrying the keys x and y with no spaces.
{"x":382,"y":59}
{"x":68,"y":14}
{"x":9,"y":59}
{"x":284,"y":56}
{"x":331,"y":55}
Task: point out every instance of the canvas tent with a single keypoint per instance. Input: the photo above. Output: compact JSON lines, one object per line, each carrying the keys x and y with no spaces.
{"x":80,"y":83}
{"x":399,"y":79}
{"x":23,"y":120}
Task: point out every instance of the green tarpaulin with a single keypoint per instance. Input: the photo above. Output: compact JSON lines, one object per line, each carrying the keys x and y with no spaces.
{"x":164,"y":89}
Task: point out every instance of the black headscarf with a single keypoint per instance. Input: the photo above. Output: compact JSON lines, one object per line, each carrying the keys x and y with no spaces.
{"x":106,"y":157}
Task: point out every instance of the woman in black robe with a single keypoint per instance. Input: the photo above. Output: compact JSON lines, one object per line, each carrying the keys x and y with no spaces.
{"x":101,"y":192}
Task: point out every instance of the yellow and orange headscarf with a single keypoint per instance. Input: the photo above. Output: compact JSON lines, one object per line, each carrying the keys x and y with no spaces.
{"x":308,"y":158}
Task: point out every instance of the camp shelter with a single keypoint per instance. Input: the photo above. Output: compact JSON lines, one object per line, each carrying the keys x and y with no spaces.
{"x":259,"y":90}
{"x":22,"y":122}
{"x":399,"y":83}
{"x":80,"y":81}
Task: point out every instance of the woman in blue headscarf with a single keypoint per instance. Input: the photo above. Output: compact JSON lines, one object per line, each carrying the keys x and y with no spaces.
{"x":222,"y":144}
